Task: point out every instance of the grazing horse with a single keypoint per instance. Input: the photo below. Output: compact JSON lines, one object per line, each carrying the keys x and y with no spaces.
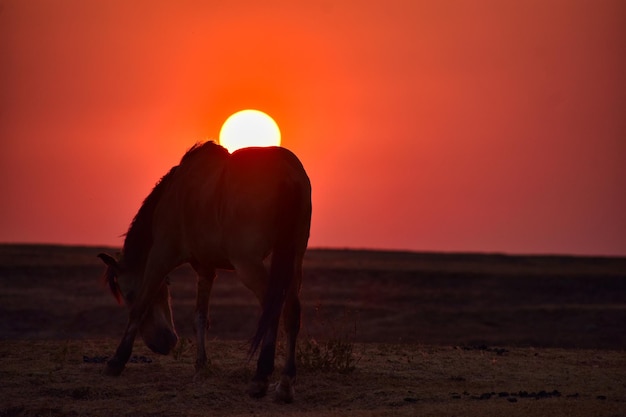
{"x":217,"y":210}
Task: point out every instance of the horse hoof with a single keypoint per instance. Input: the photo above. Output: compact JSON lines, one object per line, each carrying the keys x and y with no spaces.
{"x":285,"y":391}
{"x":201,"y":366}
{"x":113,"y":369}
{"x":202,"y":372}
{"x":257,"y":389}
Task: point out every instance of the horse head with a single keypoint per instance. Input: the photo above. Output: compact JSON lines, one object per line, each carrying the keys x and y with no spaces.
{"x":157,"y":327}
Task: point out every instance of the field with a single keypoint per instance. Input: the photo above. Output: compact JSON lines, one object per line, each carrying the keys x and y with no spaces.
{"x":384,"y":333}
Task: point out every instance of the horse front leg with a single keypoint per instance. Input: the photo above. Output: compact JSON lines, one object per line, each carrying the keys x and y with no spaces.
{"x":154,"y":278}
{"x":205,"y":283}
{"x":116,"y":364}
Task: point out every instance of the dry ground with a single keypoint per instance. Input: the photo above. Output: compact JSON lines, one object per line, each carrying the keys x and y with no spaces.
{"x":432,"y":334}
{"x":51,"y":378}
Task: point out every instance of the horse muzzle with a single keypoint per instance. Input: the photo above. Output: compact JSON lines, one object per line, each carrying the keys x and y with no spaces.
{"x":161,"y":341}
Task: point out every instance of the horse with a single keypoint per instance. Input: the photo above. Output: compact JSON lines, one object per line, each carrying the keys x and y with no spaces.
{"x":217,"y":210}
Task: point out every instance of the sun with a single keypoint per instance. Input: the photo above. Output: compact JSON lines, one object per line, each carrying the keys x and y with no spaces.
{"x":249,"y":128}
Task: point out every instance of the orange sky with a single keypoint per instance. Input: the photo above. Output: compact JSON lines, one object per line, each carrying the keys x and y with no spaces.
{"x":424,"y":125}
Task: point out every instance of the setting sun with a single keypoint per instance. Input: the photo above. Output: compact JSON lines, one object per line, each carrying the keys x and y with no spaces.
{"x":249,"y":128}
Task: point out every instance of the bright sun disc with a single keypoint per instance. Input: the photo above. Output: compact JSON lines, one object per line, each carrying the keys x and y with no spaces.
{"x":249,"y":128}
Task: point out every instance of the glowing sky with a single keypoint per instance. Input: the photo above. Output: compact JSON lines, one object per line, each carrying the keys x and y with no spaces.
{"x":424,"y":125}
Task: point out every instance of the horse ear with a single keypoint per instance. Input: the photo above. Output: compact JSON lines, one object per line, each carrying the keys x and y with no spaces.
{"x":109,"y":261}
{"x":110,"y":275}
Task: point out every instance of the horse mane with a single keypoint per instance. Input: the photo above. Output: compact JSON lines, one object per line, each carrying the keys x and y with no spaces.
{"x":139,"y":235}
{"x":139,"y":238}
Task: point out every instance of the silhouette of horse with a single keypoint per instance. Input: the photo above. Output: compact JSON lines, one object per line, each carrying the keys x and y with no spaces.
{"x":217,"y":210}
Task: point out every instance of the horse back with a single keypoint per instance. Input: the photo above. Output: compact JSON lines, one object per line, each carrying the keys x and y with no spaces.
{"x":258,"y":186}
{"x":220,"y":205}
{"x":186,"y":219}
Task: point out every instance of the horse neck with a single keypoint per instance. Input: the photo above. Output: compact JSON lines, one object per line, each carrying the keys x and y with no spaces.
{"x":139,"y":236}
{"x":135,"y":255}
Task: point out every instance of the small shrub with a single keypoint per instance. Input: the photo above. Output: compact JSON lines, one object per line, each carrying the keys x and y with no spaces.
{"x":334,"y":355}
{"x":182,"y":348}
{"x":61,"y":356}
{"x":334,"y":352}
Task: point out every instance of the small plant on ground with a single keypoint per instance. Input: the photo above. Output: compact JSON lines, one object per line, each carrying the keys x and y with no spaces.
{"x":61,"y":356}
{"x":182,"y":348}
{"x":332,"y":355}
{"x":334,"y":351}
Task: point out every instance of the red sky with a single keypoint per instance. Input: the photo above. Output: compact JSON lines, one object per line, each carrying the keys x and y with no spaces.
{"x":424,"y":125}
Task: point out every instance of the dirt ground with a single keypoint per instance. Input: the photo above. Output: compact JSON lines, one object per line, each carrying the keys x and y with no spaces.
{"x":430,"y":334}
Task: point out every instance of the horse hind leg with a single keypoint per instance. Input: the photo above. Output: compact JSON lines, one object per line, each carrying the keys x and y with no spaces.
{"x":285,"y":390}
{"x":205,"y":284}
{"x":291,"y":319}
{"x":265,"y":364}
{"x":255,"y":277}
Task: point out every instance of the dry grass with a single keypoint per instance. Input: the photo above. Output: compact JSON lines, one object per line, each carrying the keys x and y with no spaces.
{"x":51,"y":378}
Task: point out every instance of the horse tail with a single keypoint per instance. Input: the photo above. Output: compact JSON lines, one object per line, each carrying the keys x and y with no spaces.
{"x":282,"y":266}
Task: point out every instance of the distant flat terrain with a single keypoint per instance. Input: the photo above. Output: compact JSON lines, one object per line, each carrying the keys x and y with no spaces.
{"x":55,"y":292}
{"x":433,"y":334}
